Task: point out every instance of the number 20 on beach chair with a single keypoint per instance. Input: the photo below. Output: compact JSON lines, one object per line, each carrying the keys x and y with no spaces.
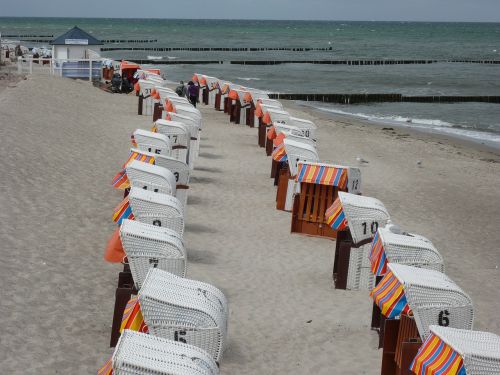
{"x":356,"y":219}
{"x":319,"y":187}
{"x":411,"y":300}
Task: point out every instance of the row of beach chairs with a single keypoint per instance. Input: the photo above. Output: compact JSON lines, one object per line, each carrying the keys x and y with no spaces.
{"x":423,"y":318}
{"x":163,"y":322}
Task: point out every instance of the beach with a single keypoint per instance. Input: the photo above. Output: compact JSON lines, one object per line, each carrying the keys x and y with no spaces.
{"x":64,"y":140}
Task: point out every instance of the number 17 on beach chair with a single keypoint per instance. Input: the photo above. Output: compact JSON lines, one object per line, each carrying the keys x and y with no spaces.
{"x":356,"y":219}
{"x":319,"y":187}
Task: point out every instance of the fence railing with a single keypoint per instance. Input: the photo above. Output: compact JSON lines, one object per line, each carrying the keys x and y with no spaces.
{"x":90,"y":69}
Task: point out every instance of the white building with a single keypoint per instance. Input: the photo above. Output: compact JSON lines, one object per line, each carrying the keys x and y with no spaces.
{"x":74,"y":44}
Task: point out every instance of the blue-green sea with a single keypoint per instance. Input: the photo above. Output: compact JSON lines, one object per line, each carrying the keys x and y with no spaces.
{"x":348,"y":40}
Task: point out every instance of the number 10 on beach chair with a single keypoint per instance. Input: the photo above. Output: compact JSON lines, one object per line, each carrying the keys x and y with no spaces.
{"x":355,"y":219}
{"x":411,"y":300}
{"x":319,"y":187}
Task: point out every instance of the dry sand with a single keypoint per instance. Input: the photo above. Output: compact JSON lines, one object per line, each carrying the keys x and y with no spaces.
{"x":62,"y":141}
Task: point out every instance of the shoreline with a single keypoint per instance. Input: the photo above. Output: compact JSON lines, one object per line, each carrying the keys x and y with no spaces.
{"x":416,"y":132}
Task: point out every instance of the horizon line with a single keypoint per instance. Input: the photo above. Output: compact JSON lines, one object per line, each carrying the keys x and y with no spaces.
{"x":246,"y":19}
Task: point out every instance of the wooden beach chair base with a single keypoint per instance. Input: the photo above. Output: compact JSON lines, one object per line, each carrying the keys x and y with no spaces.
{"x":157,"y":111}
{"x":140,"y":105}
{"x":400,"y":346}
{"x":343,"y":246}
{"x":235,"y":113}
{"x":250,"y":121}
{"x":123,"y":293}
{"x":269,"y":146}
{"x":205,"y":95}
{"x":309,"y":207}
{"x":261,"y":141}
{"x":218,"y":101}
{"x":284,"y":177}
{"x":228,"y":103}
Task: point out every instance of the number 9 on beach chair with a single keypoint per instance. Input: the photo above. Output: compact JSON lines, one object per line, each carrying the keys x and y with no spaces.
{"x":155,"y":143}
{"x":411,"y":300}
{"x":185,"y":310}
{"x":319,"y":187}
{"x":356,"y":219}
{"x":142,"y":354}
{"x":458,"y":352}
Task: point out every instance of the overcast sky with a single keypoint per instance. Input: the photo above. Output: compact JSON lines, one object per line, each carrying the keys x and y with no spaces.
{"x":377,"y":10}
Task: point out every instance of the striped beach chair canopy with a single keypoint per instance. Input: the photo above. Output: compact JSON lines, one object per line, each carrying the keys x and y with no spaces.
{"x":361,"y":215}
{"x":151,"y":177}
{"x":154,"y":208}
{"x":430,"y":296}
{"x":148,"y":246}
{"x":185,"y":310}
{"x":458,"y":351}
{"x":140,"y":353}
{"x":340,"y":176}
{"x":155,"y":143}
{"x":403,"y":248}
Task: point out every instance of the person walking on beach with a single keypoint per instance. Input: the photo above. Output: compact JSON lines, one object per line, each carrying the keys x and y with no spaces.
{"x":193,"y":92}
{"x":181,"y":90}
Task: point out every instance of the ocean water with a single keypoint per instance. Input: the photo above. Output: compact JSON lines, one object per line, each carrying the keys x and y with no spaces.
{"x":349,"y":40}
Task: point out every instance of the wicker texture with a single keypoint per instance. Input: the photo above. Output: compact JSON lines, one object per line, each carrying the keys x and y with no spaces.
{"x":361,"y":214}
{"x":359,"y":275}
{"x":308,"y":127}
{"x":157,"y":209}
{"x":411,"y":250}
{"x":149,"y":246}
{"x":151,"y":177}
{"x":152,"y":142}
{"x":135,"y":352}
{"x":180,"y":170}
{"x":179,"y":135}
{"x":480,"y":351}
{"x":185,"y":310}
{"x":434,"y":298}
{"x":194,"y":131}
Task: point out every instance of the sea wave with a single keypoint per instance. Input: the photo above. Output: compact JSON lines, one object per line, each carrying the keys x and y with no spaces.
{"x":432,"y":125}
{"x":248,"y":78}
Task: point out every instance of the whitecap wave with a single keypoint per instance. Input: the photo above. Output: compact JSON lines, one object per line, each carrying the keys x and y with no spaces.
{"x":155,"y":57}
{"x":248,"y":78}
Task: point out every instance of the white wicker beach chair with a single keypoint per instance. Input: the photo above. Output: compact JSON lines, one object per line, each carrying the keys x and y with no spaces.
{"x":271,"y":103}
{"x":434,"y":298}
{"x":294,"y":133}
{"x":296,"y":152}
{"x":157,"y":209}
{"x":151,"y":177}
{"x":480,"y":351}
{"x":165,"y":91}
{"x":160,"y":82}
{"x":308,"y":127}
{"x":148,"y":246}
{"x":185,"y":310}
{"x":213,"y":86}
{"x":363,"y":215}
{"x":243,"y":95}
{"x":179,"y":135}
{"x":191,"y":112}
{"x":193,"y":125}
{"x":147,"y":87}
{"x":155,"y":143}
{"x":179,"y":169}
{"x":140,"y":353}
{"x":407,"y":248}
{"x":279,"y":116}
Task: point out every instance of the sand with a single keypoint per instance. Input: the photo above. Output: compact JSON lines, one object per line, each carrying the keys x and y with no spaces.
{"x":62,"y":141}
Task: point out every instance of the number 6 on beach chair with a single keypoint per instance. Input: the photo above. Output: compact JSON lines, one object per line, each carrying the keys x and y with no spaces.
{"x":391,"y":246}
{"x":319,"y":187}
{"x":185,"y":310}
{"x":458,"y":352}
{"x":356,"y":219}
{"x":142,"y":354}
{"x":411,"y":300}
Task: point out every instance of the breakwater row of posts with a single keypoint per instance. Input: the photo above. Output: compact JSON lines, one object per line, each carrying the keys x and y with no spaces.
{"x":217,"y":49}
{"x":318,"y":62}
{"x":381,"y":98}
